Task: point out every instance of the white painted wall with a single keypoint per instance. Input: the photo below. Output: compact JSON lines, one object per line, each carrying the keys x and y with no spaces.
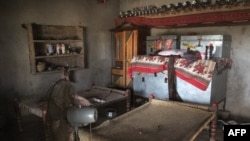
{"x":238,"y":84}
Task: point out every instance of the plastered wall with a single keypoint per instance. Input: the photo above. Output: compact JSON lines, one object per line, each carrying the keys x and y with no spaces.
{"x":16,"y":80}
{"x":15,"y":76}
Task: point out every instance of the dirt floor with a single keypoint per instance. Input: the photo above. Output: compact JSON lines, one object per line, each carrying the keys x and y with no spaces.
{"x":33,"y":126}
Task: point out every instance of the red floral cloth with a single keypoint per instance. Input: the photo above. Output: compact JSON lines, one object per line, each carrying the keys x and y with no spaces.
{"x":198,"y":73}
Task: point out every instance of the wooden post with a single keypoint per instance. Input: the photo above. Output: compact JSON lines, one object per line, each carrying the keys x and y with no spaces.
{"x":151,"y":96}
{"x":213,"y":124}
{"x":128,"y":93}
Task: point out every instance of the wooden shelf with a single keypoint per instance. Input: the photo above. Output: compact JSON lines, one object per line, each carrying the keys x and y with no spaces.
{"x":116,"y":71}
{"x":56,"y":41}
{"x":61,"y":55}
{"x":45,"y":39}
{"x":58,"y":70}
{"x":213,"y":16}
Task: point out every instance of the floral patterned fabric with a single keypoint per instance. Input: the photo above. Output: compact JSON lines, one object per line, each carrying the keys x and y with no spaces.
{"x":198,"y":73}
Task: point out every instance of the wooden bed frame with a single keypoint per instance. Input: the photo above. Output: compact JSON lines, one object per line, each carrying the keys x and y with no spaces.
{"x":157,"y":120}
{"x":38,"y":107}
{"x":141,"y":123}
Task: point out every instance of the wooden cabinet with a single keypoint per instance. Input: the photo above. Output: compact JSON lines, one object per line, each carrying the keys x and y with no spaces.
{"x":52,"y":47}
{"x":127,"y":43}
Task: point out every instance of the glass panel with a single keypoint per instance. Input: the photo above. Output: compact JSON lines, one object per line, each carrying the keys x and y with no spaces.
{"x":118,"y":47}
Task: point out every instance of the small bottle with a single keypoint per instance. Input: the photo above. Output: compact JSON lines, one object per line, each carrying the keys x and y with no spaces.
{"x":186,"y":4}
{"x":196,"y":4}
{"x":69,"y":49}
{"x":163,"y":9}
{"x":63,"y":48}
{"x":230,"y":2}
{"x":171,"y":7}
{"x":154,"y":10}
{"x":58,"y":49}
{"x":206,"y":3}
{"x":122,"y":14}
{"x":50,"y":49}
{"x":178,"y":6}
{"x":220,"y":2}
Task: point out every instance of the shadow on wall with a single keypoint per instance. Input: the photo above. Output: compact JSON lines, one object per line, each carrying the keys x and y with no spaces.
{"x":8,"y":114}
{"x":7,"y":103}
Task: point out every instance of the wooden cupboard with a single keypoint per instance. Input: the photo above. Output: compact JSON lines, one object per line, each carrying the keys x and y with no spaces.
{"x":127,"y":42}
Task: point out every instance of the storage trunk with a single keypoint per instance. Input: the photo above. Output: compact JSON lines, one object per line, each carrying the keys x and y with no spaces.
{"x":145,"y":84}
{"x":158,"y":85}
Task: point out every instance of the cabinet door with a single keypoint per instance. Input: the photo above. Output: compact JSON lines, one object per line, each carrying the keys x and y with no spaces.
{"x":131,"y":45}
{"x":118,"y":70}
{"x":126,"y":47}
{"x":130,"y":51}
